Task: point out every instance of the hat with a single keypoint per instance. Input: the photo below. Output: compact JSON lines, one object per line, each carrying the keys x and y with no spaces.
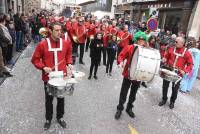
{"x":140,"y":35}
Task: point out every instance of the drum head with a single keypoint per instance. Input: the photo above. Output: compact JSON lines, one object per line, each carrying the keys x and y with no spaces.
{"x":58,"y":82}
{"x":169,"y":72}
{"x":71,"y":81}
{"x":78,"y":74}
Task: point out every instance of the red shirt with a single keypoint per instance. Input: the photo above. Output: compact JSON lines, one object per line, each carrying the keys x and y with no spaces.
{"x":112,"y":30}
{"x":91,"y":30}
{"x":42,"y":57}
{"x":184,"y":63}
{"x":126,"y":53}
{"x":80,"y":32}
{"x":125,"y":38}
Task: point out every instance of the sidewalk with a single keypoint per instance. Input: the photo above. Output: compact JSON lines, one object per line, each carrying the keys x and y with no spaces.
{"x":16,"y":56}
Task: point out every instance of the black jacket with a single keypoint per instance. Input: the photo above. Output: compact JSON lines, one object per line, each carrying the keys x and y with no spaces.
{"x":95,"y":48}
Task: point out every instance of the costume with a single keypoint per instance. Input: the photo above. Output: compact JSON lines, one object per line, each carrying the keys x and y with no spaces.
{"x":189,"y":79}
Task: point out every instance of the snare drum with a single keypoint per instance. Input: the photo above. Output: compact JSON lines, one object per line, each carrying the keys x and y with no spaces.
{"x":145,"y":64}
{"x":169,"y":75}
{"x":59,"y":87}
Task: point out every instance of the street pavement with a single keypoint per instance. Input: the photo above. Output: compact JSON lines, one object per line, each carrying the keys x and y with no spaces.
{"x":91,"y":109}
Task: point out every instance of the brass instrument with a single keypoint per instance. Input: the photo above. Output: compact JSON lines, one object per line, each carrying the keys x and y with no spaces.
{"x":44,"y":32}
{"x":118,"y":40}
{"x":75,"y":39}
{"x":91,"y":37}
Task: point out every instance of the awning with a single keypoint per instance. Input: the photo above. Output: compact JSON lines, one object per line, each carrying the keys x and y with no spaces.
{"x":87,"y":2}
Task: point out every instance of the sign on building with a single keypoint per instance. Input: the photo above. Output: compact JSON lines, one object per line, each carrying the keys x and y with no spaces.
{"x":153,"y":12}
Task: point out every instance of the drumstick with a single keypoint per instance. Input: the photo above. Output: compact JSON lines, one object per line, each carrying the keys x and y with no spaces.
{"x":58,"y":64}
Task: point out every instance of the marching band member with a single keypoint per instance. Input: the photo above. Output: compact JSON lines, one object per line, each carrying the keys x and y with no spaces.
{"x":176,"y":58}
{"x":79,"y":32}
{"x":48,"y":55}
{"x":95,"y":54}
{"x":113,"y":28}
{"x":126,"y":54}
{"x":124,"y":38}
{"x":91,"y":32}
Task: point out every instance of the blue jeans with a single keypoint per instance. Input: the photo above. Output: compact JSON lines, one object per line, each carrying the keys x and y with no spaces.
{"x":18,"y":40}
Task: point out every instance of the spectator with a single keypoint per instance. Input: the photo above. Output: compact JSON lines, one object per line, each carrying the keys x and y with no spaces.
{"x":11,"y":29}
{"x":18,"y":29}
{"x":5,"y":40}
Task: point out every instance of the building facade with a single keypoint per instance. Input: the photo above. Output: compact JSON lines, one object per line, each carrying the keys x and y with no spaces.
{"x":15,"y":5}
{"x":175,"y":15}
{"x":98,"y":5}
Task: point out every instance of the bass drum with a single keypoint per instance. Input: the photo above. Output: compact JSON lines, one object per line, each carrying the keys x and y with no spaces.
{"x":145,"y":64}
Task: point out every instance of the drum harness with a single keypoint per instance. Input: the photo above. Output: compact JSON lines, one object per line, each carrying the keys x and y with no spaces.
{"x":55,"y":50}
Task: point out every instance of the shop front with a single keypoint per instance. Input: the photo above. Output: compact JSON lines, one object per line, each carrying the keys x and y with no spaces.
{"x":173,"y":15}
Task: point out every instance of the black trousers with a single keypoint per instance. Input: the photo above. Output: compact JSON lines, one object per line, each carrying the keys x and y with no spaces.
{"x":4,"y":53}
{"x":49,"y":105}
{"x":75,"y":51}
{"x":104,"y":55}
{"x":94,"y":65}
{"x":175,"y":88}
{"x":124,"y":91}
{"x":87,"y":44}
{"x":9,"y":52}
{"x":109,"y":64}
{"x":119,"y":50}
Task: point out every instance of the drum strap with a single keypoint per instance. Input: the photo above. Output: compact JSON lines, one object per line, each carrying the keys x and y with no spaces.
{"x":55,"y":50}
{"x":135,"y":48}
{"x":66,"y":36}
{"x":177,"y":56}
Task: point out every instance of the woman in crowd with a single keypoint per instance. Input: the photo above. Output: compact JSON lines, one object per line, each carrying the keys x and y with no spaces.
{"x":111,"y":51}
{"x":95,"y":54}
{"x":189,"y":79}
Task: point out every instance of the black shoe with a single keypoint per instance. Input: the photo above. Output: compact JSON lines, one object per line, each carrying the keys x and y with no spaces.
{"x":171,"y":105}
{"x":95,"y":77}
{"x":82,"y":63}
{"x":118,"y":114}
{"x":18,"y":50}
{"x":144,"y":84}
{"x":47,"y":125}
{"x":7,"y":74}
{"x":162,"y":103}
{"x":89,"y":77}
{"x":130,"y":113}
{"x":1,"y":75}
{"x":183,"y":91}
{"x":62,"y":123}
{"x":110,"y":74}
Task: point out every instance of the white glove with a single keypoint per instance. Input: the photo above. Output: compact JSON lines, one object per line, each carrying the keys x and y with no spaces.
{"x":70,"y":66}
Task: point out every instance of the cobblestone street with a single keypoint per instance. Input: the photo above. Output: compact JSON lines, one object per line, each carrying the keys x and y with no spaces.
{"x":91,"y":109}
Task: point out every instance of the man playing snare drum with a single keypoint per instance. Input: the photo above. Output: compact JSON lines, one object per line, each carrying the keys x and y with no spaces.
{"x":53,"y":54}
{"x":126,"y":54}
{"x":176,"y":58}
